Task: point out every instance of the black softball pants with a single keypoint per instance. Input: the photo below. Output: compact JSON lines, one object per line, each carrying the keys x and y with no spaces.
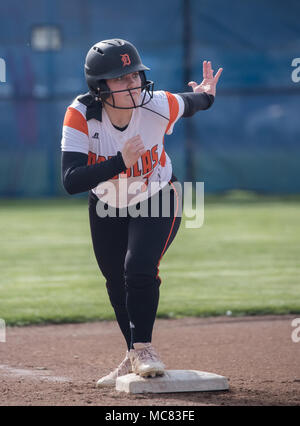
{"x":128,"y":251}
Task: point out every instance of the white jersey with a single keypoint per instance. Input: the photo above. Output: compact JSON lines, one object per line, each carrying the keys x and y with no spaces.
{"x":100,"y":140}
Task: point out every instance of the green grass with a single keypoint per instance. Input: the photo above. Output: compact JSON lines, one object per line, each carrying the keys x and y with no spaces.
{"x":245,"y":258}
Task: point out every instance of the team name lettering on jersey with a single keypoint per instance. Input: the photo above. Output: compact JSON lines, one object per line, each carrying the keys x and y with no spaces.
{"x":149,"y":161}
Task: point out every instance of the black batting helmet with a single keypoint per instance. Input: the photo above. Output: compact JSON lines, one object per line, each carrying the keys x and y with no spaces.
{"x":111,"y":59}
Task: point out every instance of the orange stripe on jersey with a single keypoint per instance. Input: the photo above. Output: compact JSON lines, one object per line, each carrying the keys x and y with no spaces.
{"x":75,"y":119}
{"x":173,"y":107}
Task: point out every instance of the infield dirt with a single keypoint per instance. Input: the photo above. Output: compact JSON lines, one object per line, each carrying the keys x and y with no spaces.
{"x":60,"y":364}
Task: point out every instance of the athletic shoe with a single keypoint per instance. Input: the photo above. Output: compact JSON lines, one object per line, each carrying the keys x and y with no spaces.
{"x":145,"y":361}
{"x":123,"y":369}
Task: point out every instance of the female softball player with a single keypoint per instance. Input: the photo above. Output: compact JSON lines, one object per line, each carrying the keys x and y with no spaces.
{"x":113,"y":147}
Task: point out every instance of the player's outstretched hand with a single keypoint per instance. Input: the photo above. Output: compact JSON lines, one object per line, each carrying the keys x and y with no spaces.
{"x":132,"y":150}
{"x":209,"y":81}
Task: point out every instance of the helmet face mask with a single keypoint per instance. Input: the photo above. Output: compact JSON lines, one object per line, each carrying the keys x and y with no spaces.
{"x":104,"y":93}
{"x":110,"y":59}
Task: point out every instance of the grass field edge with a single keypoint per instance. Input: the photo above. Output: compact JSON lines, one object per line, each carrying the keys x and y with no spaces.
{"x":171,"y":315}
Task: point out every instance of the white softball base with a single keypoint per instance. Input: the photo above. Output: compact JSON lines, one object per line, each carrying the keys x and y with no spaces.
{"x":173,"y":381}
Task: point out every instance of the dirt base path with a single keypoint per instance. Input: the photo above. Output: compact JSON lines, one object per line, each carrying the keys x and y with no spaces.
{"x":60,"y":364}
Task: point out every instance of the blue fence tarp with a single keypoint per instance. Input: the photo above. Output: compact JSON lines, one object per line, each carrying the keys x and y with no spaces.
{"x":249,"y":139}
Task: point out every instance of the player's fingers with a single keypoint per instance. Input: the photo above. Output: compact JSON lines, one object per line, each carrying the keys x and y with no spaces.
{"x":134,"y":139}
{"x":133,"y":142}
{"x":138,"y":142}
{"x":139,"y":147}
{"x":139,"y":151}
{"x":209,"y":70}
{"x":192,"y":84}
{"x":205,"y":69}
{"x":217,"y":76}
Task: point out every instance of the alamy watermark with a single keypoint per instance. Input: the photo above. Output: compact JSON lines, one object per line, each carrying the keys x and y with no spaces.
{"x":296,"y":332}
{"x":167,"y":200}
{"x":2,"y":71}
{"x":2,"y":331}
{"x":296,"y":72}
